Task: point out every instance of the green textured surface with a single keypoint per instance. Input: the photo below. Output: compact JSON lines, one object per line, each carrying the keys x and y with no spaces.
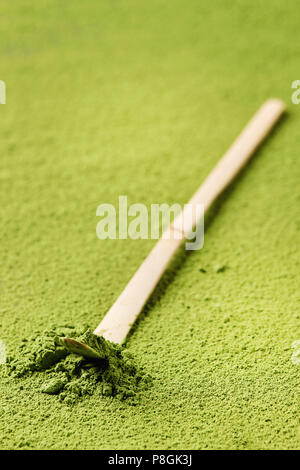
{"x":56,"y":370}
{"x":142,"y":98}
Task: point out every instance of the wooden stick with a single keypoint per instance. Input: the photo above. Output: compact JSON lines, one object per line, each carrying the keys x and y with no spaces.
{"x":121,"y":316}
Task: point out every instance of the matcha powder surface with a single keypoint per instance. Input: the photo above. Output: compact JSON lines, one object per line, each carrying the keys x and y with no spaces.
{"x":70,"y":376}
{"x":110,"y":98}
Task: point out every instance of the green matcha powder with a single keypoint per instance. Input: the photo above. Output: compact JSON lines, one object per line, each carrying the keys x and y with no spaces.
{"x":70,"y":376}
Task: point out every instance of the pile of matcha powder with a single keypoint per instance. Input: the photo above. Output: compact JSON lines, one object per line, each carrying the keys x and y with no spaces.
{"x":70,"y":376}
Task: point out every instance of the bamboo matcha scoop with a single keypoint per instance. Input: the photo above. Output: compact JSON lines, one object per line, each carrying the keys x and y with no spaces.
{"x":119,"y":319}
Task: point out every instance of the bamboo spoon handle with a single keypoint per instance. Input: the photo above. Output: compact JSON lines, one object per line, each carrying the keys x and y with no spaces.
{"x":119,"y":319}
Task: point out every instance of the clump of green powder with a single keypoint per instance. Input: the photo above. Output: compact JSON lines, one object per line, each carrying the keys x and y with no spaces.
{"x":70,"y":376}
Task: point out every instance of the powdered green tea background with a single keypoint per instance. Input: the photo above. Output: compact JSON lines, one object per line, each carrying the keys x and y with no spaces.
{"x":138,"y":98}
